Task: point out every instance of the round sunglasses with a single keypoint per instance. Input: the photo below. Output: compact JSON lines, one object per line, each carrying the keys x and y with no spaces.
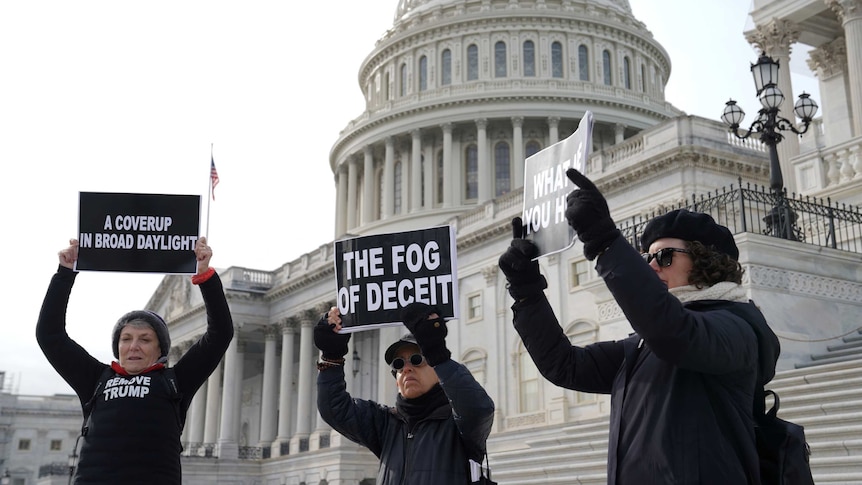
{"x":664,"y":257}
{"x":416,"y":360}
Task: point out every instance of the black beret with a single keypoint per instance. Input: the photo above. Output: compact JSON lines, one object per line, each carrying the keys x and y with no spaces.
{"x":690,"y":226}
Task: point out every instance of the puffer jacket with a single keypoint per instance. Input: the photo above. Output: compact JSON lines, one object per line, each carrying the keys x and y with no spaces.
{"x":682,"y":387}
{"x":437,"y":450}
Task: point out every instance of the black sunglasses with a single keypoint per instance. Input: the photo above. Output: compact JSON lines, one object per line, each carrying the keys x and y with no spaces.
{"x":415,"y":360}
{"x":664,"y":257}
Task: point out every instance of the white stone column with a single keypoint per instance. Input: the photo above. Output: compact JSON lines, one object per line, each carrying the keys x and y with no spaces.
{"x":195,"y":421}
{"x":430,"y":163}
{"x":850,"y":14}
{"x":416,"y":171}
{"x":448,"y":179}
{"x":774,"y":39}
{"x":270,"y":386}
{"x":213,"y":405}
{"x":227,"y":444}
{"x":367,"y":185}
{"x":553,"y":130}
{"x":304,"y":414}
{"x":389,"y":178}
{"x":352,"y":197}
{"x":518,"y":151}
{"x":340,"y":201}
{"x":285,"y":387}
{"x":483,"y":161}
{"x":829,"y":62}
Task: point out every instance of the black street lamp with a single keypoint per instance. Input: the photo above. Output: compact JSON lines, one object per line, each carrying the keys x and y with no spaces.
{"x":781,"y":220}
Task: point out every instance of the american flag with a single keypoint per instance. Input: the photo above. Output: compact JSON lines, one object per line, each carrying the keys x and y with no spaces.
{"x":213,"y":177}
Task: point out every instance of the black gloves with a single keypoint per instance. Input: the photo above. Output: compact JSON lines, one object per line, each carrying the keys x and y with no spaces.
{"x":588,"y":214}
{"x":430,"y":334}
{"x":333,"y":345}
{"x":517,"y":264}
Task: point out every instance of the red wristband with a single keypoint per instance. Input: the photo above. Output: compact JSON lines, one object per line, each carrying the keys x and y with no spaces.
{"x":200,"y":278}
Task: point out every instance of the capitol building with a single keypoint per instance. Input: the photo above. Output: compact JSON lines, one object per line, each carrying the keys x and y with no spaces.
{"x":457,"y":94}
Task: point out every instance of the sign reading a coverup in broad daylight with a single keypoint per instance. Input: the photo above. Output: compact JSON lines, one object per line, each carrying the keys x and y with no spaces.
{"x":145,"y":233}
{"x":546,"y":187}
{"x":378,"y":275}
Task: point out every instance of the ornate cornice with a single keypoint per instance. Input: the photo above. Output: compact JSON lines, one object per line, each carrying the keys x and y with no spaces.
{"x":802,"y":283}
{"x":310,"y":278}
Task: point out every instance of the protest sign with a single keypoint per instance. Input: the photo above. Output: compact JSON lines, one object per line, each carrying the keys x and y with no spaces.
{"x":377,"y":276}
{"x":546,"y":187}
{"x":145,"y":233}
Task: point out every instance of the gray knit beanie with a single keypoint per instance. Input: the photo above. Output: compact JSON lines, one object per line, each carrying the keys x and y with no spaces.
{"x":154,"y":320}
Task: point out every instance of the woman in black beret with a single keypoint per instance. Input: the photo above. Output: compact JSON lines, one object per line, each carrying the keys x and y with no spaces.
{"x":682,"y":386}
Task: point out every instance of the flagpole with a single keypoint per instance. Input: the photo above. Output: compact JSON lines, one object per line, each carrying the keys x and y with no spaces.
{"x":209,"y":192}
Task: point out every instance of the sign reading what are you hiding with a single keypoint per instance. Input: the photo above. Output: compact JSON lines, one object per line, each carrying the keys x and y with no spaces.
{"x":546,"y":187}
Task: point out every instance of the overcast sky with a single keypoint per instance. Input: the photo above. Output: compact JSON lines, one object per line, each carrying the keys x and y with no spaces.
{"x":128,"y":97}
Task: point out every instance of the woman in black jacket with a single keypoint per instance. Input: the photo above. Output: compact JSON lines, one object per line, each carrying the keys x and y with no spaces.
{"x":682,"y":387}
{"x":136,"y":405}
{"x":442,"y":416}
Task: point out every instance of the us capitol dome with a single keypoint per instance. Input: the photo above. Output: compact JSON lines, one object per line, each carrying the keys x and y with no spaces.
{"x":459,"y":92}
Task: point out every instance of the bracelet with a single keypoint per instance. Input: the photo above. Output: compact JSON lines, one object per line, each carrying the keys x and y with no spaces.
{"x":200,"y":278}
{"x":333,"y":361}
{"x":322,"y":366}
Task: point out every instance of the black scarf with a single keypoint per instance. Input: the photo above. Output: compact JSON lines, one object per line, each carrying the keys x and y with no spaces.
{"x":417,"y":409}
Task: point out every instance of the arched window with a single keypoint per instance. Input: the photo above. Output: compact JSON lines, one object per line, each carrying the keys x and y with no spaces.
{"x":529,"y":385}
{"x":440,"y":177}
{"x":502,"y":179}
{"x":500,"y":59}
{"x":532,"y":148}
{"x":582,"y":334}
{"x":423,"y":73}
{"x":403,"y":87}
{"x":529,"y":58}
{"x":446,"y":67}
{"x":397,"y":187}
{"x":627,"y":72}
{"x":386,"y":86}
{"x":471,"y":168}
{"x":475,"y":361}
{"x":606,"y":67}
{"x":557,"y":59}
{"x":472,"y":62}
{"x":643,"y":78}
{"x":583,"y":63}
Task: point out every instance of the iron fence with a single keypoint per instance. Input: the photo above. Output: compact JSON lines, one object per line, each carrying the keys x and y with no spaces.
{"x":756,"y":209}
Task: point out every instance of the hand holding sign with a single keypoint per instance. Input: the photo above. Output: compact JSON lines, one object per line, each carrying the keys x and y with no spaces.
{"x":69,"y":255}
{"x":588,"y":214}
{"x":429,"y":328}
{"x":519,"y":265}
{"x":332,"y":344}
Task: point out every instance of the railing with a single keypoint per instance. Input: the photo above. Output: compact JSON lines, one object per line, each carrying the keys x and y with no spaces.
{"x":54,"y":469}
{"x":249,"y":453}
{"x":756,"y":209}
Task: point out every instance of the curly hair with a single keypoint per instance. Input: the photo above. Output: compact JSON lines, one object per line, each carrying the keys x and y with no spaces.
{"x":710,"y":266}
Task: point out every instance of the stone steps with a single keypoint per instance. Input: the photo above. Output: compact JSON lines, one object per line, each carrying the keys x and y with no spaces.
{"x":826,"y":399}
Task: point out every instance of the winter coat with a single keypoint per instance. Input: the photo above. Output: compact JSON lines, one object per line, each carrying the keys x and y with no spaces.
{"x":437,"y":450}
{"x":136,"y":421}
{"x":681,"y":387}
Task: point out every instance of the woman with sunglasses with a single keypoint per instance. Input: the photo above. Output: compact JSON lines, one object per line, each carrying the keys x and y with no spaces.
{"x":682,"y":387}
{"x":441,"y":419}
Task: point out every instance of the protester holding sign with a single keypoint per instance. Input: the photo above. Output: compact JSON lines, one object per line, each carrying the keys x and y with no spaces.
{"x":134,"y":408}
{"x":442,"y":416}
{"x":682,"y":387}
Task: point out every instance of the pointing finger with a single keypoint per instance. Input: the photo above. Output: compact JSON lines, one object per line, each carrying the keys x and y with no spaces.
{"x":580,"y":180}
